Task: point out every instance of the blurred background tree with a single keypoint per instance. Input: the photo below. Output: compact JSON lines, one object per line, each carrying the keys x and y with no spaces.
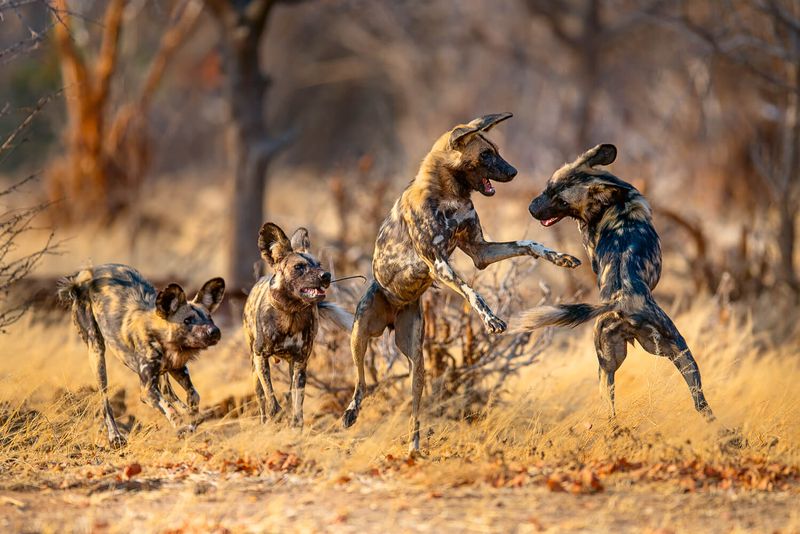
{"x":172,"y":97}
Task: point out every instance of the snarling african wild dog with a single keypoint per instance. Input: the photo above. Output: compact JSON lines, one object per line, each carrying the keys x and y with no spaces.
{"x":432,"y":217}
{"x":623,"y":246}
{"x":152,"y":332}
{"x":281,"y":315}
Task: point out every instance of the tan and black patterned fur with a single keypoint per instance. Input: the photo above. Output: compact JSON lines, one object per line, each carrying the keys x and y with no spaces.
{"x":432,"y":218}
{"x":281,"y":315}
{"x":152,"y":332}
{"x":623,"y":246}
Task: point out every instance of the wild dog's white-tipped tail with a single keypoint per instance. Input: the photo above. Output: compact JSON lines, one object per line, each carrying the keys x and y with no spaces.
{"x":68,"y":287}
{"x":337,"y":315}
{"x":570,"y":315}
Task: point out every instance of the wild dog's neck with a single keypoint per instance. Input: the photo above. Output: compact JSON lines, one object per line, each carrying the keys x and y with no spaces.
{"x":281,"y":298}
{"x":598,"y":219}
{"x":437,"y":177}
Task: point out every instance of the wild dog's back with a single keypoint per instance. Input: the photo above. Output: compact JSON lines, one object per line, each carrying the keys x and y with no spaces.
{"x":624,"y":248}
{"x":127,"y":286}
{"x":108,"y":293}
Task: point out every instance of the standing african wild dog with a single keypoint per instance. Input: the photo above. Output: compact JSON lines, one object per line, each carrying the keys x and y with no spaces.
{"x":623,"y":246}
{"x":281,"y":315}
{"x":432,"y":217}
{"x":152,"y":332}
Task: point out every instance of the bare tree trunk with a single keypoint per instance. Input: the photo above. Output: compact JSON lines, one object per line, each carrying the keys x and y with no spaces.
{"x":246,"y":88}
{"x":241,"y":26}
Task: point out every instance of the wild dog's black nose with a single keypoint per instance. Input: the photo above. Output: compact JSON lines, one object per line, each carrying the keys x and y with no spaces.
{"x":326,"y":278}
{"x":213,"y":333}
{"x":512,"y":172}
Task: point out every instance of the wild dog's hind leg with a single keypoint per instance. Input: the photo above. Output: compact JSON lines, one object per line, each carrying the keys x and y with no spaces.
{"x":661,"y":337}
{"x":263,"y":386}
{"x":371,"y":319}
{"x":609,"y":342}
{"x":408,"y":334}
{"x":82,"y":315}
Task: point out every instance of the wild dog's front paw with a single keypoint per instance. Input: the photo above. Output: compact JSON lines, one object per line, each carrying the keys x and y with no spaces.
{"x":194,"y":402}
{"x":185,"y":430}
{"x":494,"y":325}
{"x":116,"y":441}
{"x":349,"y":417}
{"x":563,"y":260}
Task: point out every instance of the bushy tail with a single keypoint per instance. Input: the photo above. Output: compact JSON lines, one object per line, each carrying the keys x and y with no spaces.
{"x":570,"y":315}
{"x":337,"y":315}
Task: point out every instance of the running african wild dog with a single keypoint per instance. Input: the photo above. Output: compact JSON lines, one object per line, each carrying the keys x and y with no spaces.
{"x":432,"y":217}
{"x":623,"y":246}
{"x":152,"y":332}
{"x":281,"y":315}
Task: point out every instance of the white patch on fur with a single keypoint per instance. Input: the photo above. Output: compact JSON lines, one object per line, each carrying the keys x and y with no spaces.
{"x":438,"y":239}
{"x":293,"y":343}
{"x":463,"y":214}
{"x":538,"y":249}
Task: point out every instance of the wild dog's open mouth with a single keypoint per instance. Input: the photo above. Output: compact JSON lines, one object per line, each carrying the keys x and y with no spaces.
{"x":312,"y":292}
{"x":551,"y":221}
{"x":488,"y":188}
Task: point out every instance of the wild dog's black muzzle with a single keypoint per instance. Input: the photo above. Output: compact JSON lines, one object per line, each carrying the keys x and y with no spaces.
{"x":212,"y":334}
{"x":326,"y":279}
{"x":502,"y":171}
{"x":543,"y":209}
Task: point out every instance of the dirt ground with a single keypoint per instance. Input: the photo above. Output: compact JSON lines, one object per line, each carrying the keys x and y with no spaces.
{"x":278,"y":504}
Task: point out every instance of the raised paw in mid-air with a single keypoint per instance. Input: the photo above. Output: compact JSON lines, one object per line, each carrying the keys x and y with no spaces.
{"x":494,"y":325}
{"x":563,"y":260}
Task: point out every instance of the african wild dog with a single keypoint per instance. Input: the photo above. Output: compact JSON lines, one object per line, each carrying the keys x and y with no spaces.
{"x":281,"y":315}
{"x":152,"y":332}
{"x":623,"y":246}
{"x":432,"y":217}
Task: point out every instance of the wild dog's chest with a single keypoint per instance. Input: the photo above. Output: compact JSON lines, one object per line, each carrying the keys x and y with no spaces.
{"x":450,"y":223}
{"x":289,"y":335}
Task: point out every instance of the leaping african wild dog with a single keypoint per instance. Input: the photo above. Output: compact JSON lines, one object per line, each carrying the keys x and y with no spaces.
{"x":281,"y":315}
{"x":432,"y":217}
{"x":623,"y":246}
{"x":152,"y":332}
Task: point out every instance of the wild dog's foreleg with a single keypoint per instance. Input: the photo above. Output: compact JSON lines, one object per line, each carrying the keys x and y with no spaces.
{"x":444,"y":273}
{"x":169,"y":394}
{"x":371,"y":319}
{"x":660,"y":336}
{"x":261,"y":374}
{"x":611,"y":348}
{"x":408,"y":335}
{"x":150,"y":367}
{"x":183,"y":378}
{"x":82,"y":315}
{"x":484,"y":253}
{"x":298,"y":393}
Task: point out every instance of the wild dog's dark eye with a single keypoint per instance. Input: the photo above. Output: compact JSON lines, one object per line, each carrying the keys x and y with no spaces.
{"x":300,"y":268}
{"x":188,"y":320}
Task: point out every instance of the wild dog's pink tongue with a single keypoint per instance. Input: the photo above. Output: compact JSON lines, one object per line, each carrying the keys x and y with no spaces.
{"x":550,"y":222}
{"x":488,"y":188}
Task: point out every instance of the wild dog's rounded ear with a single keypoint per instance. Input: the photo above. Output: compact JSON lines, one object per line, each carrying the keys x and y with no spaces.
{"x":169,"y":300}
{"x":604,"y":154}
{"x":300,"y":240}
{"x":211,"y":294}
{"x":273,"y":243}
{"x":462,"y":134}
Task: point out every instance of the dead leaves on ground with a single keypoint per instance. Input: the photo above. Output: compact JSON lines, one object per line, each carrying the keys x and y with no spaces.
{"x":585,"y":479}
